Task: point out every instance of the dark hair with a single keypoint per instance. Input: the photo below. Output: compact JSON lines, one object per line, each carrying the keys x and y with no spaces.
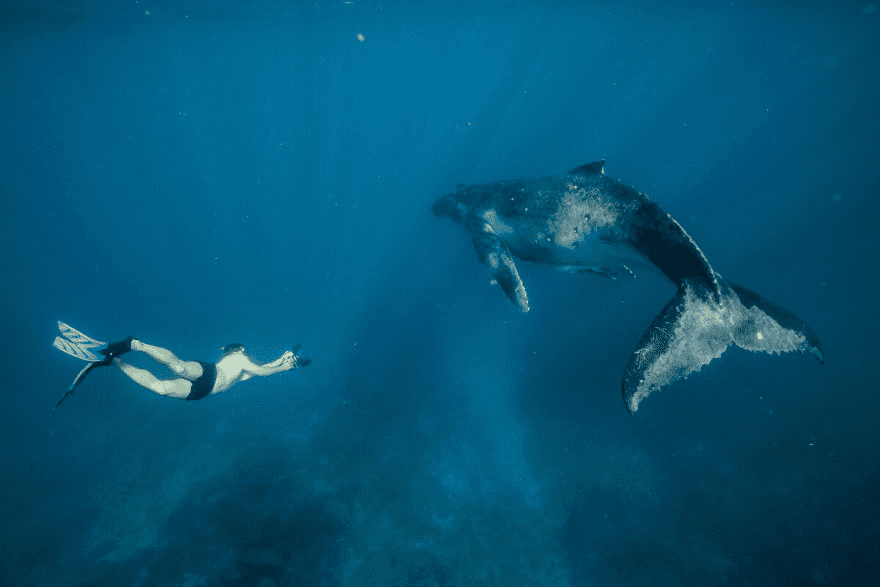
{"x":233,"y":347}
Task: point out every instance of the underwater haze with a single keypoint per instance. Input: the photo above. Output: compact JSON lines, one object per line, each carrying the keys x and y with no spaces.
{"x":197,"y":173}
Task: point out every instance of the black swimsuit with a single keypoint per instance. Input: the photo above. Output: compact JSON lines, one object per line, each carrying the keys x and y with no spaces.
{"x":204,"y":385}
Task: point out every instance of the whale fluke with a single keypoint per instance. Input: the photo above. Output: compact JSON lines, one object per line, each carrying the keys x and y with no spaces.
{"x":694,"y":328}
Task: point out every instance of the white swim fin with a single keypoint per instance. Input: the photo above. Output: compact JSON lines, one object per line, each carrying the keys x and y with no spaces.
{"x":76,"y":344}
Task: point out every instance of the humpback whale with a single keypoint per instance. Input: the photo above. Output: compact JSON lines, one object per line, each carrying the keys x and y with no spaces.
{"x":585,"y":221}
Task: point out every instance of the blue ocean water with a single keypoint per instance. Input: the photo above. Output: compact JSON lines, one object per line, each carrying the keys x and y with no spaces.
{"x":198,"y":173}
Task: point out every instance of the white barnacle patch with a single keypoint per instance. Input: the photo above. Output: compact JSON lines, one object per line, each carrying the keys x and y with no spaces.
{"x":581,"y":211}
{"x":502,"y":229}
{"x":700,"y":335}
{"x":755,"y":330}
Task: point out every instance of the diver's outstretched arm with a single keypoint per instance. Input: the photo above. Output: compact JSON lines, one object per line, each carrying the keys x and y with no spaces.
{"x":289,"y":360}
{"x":285,"y":362}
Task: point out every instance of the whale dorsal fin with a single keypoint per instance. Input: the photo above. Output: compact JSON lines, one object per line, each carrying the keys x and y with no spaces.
{"x":596,"y":167}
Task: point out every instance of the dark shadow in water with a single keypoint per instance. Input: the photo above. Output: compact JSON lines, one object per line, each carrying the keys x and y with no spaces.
{"x":251,"y":523}
{"x":27,"y":17}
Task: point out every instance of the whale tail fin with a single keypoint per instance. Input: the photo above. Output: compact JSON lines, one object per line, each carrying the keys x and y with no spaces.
{"x":696,"y":327}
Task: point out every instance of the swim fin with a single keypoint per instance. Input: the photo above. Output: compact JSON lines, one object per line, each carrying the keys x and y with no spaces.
{"x":76,"y":344}
{"x":79,"y":378}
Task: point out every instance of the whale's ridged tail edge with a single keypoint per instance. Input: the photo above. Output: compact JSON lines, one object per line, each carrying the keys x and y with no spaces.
{"x":696,"y":327}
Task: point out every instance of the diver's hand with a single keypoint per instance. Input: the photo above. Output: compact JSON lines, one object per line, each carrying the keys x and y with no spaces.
{"x":288,"y":360}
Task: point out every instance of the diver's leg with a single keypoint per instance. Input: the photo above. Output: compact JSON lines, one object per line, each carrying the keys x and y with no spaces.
{"x":187,"y":369}
{"x":178,"y":388}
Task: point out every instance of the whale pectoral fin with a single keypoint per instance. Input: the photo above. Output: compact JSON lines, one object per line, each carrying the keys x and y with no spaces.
{"x":764,"y":326}
{"x":494,"y":254}
{"x":690,"y":332}
{"x":609,"y":272}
